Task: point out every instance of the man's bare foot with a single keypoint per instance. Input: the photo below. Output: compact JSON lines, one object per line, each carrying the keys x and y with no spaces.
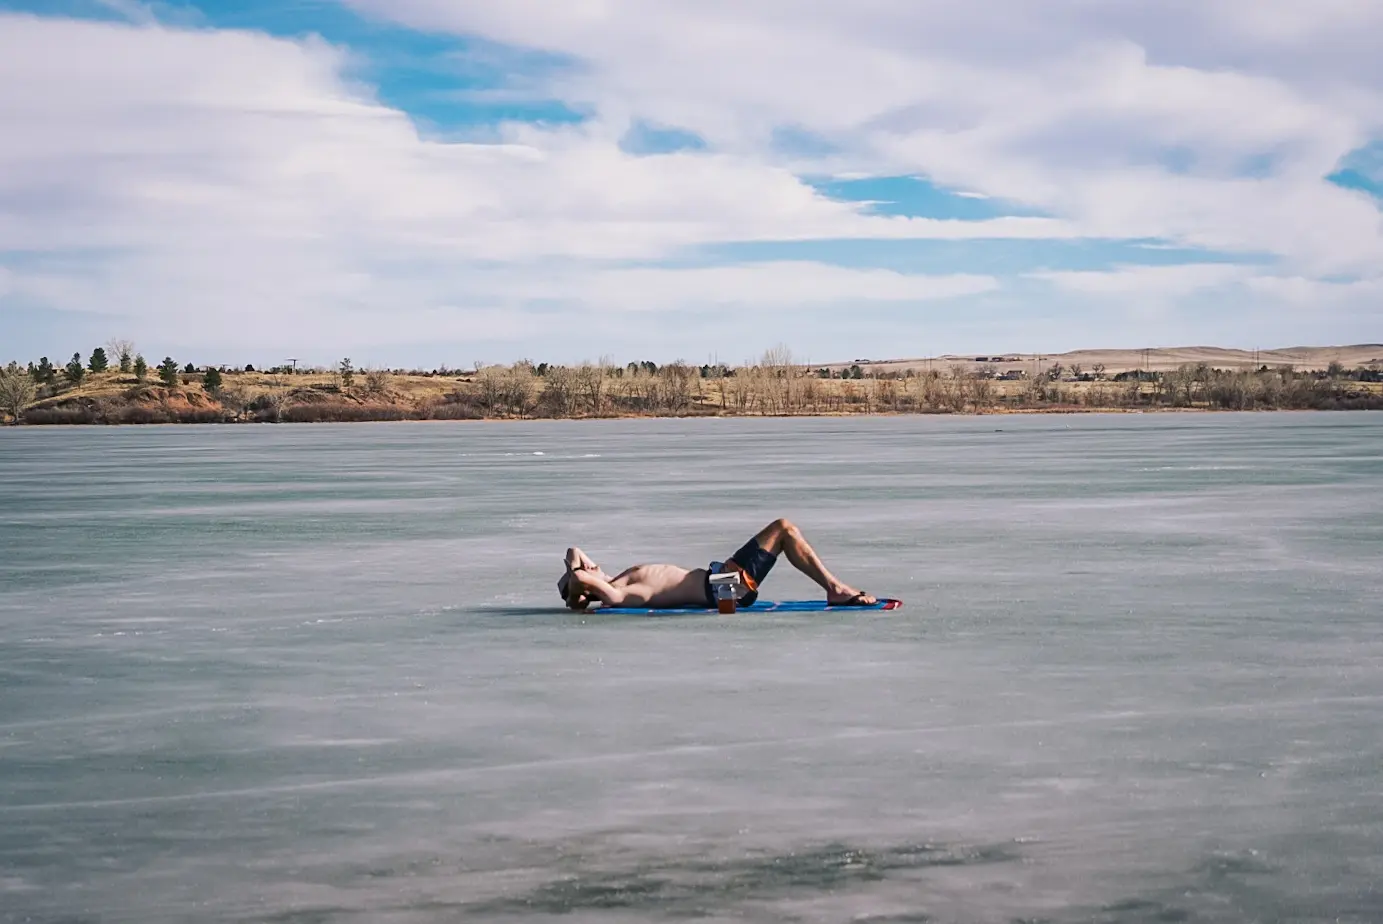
{"x":848,"y":596}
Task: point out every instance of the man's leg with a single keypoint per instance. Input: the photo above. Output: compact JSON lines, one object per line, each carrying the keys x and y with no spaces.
{"x":784,"y":536}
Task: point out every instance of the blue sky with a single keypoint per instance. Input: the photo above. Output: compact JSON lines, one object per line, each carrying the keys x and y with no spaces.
{"x":419,"y":182}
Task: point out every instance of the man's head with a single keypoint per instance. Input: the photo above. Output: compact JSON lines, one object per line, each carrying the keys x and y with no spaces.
{"x":573,"y":594}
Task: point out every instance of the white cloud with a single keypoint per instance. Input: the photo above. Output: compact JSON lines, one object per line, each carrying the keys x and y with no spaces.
{"x":765,"y":285}
{"x":1081,"y":109}
{"x":132,"y":10}
{"x":231,"y":188}
{"x":1149,"y":281}
{"x":211,"y":187}
{"x":143,"y":135}
{"x":1315,"y":293}
{"x":1247,"y":307}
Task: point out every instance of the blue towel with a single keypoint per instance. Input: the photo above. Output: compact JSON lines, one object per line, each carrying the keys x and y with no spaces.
{"x":763,"y":606}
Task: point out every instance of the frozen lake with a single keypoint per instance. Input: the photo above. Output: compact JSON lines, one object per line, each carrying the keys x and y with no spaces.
{"x":321,"y":674}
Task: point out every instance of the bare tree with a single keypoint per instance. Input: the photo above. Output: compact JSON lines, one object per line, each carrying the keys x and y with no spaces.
{"x":236,"y":399}
{"x":590,"y":380}
{"x":954,"y":390}
{"x":982,"y":394}
{"x":744,"y":389}
{"x":718,"y":376}
{"x":886,"y":393}
{"x":608,"y":371}
{"x":648,"y":389}
{"x":676,"y":386}
{"x":933,"y":391}
{"x":490,"y":380}
{"x":122,"y":351}
{"x":776,"y":370}
{"x":520,"y":386}
{"x":559,"y":393}
{"x":810,"y":393}
{"x":16,"y":390}
{"x":275,"y":402}
{"x":376,"y":381}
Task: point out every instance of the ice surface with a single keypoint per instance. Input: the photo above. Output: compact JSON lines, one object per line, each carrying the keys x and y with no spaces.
{"x":321,"y":673}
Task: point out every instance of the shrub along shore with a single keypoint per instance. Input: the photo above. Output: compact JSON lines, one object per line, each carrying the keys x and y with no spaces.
{"x":128,"y":391}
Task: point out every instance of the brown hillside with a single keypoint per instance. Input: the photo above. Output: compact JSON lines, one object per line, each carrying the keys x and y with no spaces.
{"x":1163,"y":359}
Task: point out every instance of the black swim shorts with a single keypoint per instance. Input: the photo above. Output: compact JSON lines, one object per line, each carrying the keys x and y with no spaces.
{"x":752,"y":562}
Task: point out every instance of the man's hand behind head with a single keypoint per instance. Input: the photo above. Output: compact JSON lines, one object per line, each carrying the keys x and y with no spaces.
{"x":577,"y":596}
{"x":574,"y":594}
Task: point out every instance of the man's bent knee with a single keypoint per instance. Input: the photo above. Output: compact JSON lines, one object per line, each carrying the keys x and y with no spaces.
{"x":771,"y":537}
{"x":784,"y":526}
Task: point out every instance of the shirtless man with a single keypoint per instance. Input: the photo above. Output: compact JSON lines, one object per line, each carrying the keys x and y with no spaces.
{"x":668,"y":586}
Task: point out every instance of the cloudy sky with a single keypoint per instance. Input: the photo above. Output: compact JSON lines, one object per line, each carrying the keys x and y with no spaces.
{"x":445,"y":181}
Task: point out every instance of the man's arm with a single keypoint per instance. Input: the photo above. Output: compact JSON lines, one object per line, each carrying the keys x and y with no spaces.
{"x":595,"y":586}
{"x":577,"y":560}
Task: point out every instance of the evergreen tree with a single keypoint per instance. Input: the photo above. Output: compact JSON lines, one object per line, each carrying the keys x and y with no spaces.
{"x":168,"y":371}
{"x":212,"y":381}
{"x":347,"y":372}
{"x":98,"y":361}
{"x":44,"y":373}
{"x":141,"y":368}
{"x":249,"y":367}
{"x":189,"y":369}
{"x":75,"y":370}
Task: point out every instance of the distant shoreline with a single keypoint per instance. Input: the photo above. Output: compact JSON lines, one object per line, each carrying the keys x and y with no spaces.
{"x":994,"y":413}
{"x":776,"y":386}
{"x":1159,"y":359}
